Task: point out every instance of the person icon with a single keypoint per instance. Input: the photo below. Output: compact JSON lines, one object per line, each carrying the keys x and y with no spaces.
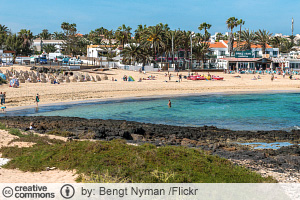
{"x":170,"y":104}
{"x":67,"y":191}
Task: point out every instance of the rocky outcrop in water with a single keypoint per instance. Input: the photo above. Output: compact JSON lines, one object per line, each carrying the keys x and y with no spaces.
{"x":163,"y":134}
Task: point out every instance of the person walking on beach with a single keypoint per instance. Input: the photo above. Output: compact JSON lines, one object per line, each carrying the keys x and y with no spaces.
{"x":272,"y":77}
{"x":3,"y":98}
{"x":169,"y":104}
{"x":37,"y":100}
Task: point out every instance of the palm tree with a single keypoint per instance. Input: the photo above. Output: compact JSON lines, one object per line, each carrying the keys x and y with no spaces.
{"x":276,"y":42}
{"x":49,"y":48}
{"x":205,"y":26}
{"x":58,"y":36}
{"x":14,"y":43}
{"x":138,"y":33}
{"x":248,"y":37}
{"x":153,"y":38}
{"x":240,"y":23}
{"x":3,"y":29}
{"x":27,"y":37}
{"x":231,"y":22}
{"x":45,"y":35}
{"x":123,"y":34}
{"x":287,"y":46}
{"x":219,"y":36}
{"x":186,"y":43}
{"x":262,"y":38}
{"x":200,"y":50}
{"x":176,"y":36}
{"x":132,"y":53}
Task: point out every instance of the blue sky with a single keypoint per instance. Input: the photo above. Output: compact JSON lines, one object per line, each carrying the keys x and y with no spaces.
{"x":36,"y":15}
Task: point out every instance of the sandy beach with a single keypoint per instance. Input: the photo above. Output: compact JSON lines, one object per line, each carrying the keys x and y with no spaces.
{"x":77,"y":91}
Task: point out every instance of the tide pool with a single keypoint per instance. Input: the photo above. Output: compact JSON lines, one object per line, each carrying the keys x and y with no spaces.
{"x":236,"y":112}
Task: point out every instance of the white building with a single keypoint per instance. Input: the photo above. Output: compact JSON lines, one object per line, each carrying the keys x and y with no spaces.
{"x":220,"y":49}
{"x":37,"y":44}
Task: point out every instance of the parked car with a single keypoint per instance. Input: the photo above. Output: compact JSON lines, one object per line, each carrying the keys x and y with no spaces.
{"x":43,"y":60}
{"x":75,"y":61}
{"x":65,"y":60}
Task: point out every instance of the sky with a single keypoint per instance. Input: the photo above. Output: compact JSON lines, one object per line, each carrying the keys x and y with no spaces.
{"x":36,"y":15}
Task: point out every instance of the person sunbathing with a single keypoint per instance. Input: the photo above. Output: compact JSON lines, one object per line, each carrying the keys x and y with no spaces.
{"x":254,"y":78}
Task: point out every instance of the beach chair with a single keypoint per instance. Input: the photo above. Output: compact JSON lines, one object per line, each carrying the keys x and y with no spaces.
{"x":98,"y":78}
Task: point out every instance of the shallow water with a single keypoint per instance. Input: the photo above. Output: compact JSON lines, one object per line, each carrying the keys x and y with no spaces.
{"x":236,"y":112}
{"x":263,"y":145}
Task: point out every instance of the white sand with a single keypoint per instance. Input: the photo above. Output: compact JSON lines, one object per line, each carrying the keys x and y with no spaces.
{"x":66,"y":92}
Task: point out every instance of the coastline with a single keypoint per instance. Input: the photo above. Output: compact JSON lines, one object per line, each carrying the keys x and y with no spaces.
{"x":283,"y":164}
{"x":150,"y":97}
{"x":159,"y":87}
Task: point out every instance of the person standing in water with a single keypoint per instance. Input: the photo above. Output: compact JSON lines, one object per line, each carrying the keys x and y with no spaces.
{"x":169,"y":104}
{"x":37,"y":100}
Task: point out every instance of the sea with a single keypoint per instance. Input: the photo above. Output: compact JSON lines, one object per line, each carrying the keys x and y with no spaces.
{"x":279,"y":111}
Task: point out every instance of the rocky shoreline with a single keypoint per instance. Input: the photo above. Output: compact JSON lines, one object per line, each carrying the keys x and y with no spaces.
{"x":283,"y":164}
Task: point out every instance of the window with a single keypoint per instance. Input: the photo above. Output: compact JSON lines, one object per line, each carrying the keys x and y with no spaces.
{"x":275,"y":53}
{"x":222,"y":53}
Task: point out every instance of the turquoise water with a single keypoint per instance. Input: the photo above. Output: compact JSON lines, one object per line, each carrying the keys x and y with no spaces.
{"x":236,"y":112}
{"x":263,"y":145}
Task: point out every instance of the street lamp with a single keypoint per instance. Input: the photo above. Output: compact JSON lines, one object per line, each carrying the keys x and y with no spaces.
{"x":192,"y":34}
{"x":93,"y":57}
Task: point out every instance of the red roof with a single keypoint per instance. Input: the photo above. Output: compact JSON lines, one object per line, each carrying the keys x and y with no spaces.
{"x":253,"y":46}
{"x":7,"y":51}
{"x":217,"y":45}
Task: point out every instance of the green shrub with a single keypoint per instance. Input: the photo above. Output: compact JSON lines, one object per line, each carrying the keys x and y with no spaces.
{"x":115,"y":161}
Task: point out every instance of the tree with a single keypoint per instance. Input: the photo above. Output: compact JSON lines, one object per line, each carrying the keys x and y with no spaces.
{"x":153,"y":38}
{"x":71,"y":38}
{"x":49,"y":48}
{"x":200,"y":50}
{"x":248,"y":38}
{"x":45,"y":35}
{"x":186,"y":43}
{"x":3,"y":35}
{"x":176,"y":36}
{"x":58,"y":36}
{"x":231,"y":22}
{"x":27,"y":37}
{"x":276,"y":42}
{"x":262,"y":38}
{"x":123,"y":34}
{"x":97,"y":36}
{"x":286,"y":46}
{"x":205,"y":26}
{"x":219,"y":36}
{"x":14,"y":43}
{"x":240,"y":23}
{"x":3,"y":29}
{"x":139,"y":32}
